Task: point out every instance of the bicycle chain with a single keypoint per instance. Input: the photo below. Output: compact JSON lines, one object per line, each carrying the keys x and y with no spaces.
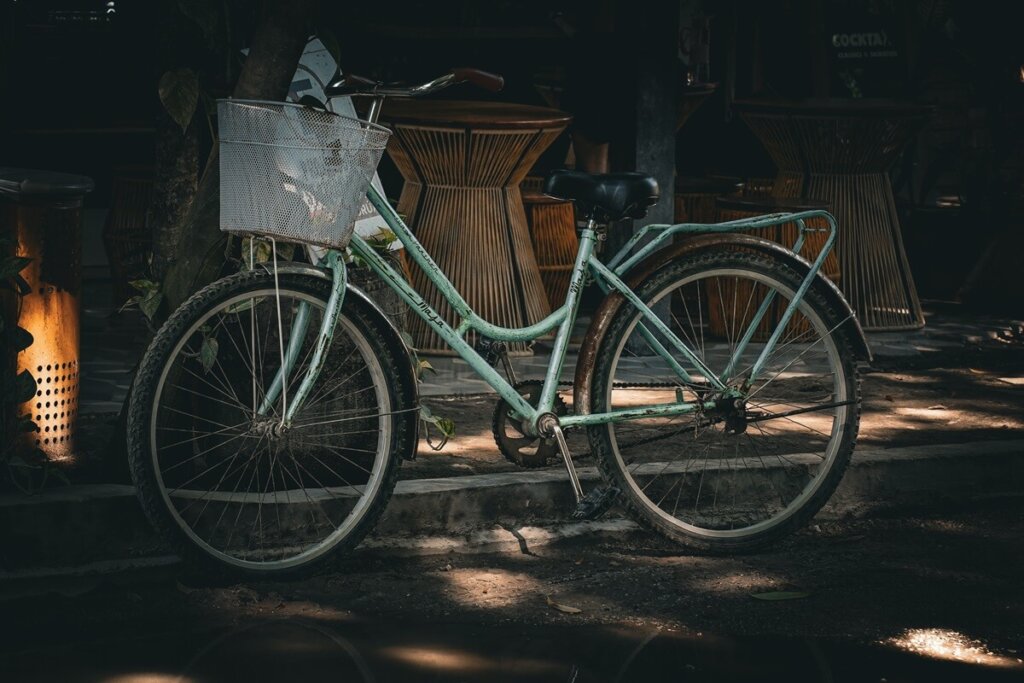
{"x":627,"y":385}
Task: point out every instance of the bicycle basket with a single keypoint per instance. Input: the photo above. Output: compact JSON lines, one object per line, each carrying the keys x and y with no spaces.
{"x":293,"y":172}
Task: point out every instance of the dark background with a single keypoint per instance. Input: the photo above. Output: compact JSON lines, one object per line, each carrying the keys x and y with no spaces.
{"x":79,"y":82}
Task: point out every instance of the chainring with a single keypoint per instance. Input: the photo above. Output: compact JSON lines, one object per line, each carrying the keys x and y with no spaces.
{"x":515,"y":444}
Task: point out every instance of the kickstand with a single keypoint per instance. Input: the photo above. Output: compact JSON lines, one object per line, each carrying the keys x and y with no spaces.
{"x":599,"y":500}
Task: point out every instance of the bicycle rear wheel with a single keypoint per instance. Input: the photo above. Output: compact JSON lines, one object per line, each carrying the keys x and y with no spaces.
{"x":748,"y":472}
{"x":218,"y":475}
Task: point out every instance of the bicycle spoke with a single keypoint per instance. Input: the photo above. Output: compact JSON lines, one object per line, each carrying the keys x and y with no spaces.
{"x":251,"y":492}
{"x":723,"y":470}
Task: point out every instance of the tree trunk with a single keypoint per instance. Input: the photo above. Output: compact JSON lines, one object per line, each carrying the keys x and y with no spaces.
{"x":266,"y":74}
{"x":175,"y":182}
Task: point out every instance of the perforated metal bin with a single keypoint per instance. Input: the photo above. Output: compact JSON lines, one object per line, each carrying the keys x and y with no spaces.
{"x":40,"y":216}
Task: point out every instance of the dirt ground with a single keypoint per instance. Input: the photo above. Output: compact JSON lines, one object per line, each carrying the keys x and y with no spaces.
{"x":876,"y":581}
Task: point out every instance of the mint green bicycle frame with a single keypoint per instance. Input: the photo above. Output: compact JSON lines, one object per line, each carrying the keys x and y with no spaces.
{"x":608,"y":277}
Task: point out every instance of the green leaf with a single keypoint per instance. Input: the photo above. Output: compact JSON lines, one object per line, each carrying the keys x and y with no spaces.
{"x":19,"y":338}
{"x":13,"y":265}
{"x":22,"y":285}
{"x":444,"y":425}
{"x":260,"y":248}
{"x":26,"y":424}
{"x":149,"y":303}
{"x":208,"y":353}
{"x":179,"y":93}
{"x":447,"y":426}
{"x":23,"y":388}
{"x":774,"y":596}
{"x":144,"y":285}
{"x":424,"y":366}
{"x":383,"y":239}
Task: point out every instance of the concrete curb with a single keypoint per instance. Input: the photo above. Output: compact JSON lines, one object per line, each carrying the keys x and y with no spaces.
{"x":76,"y":526}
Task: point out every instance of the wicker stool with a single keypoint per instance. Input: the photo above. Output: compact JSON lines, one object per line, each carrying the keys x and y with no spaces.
{"x":758,"y":188}
{"x":841,"y":151}
{"x":695,"y":197}
{"x":734,"y":208}
{"x":552,"y":225}
{"x":462,"y":163}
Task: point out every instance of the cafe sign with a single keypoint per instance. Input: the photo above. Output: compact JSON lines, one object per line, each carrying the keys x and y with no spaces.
{"x":863,"y":45}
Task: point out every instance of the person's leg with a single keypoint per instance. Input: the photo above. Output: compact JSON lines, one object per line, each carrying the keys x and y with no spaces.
{"x":591,"y":156}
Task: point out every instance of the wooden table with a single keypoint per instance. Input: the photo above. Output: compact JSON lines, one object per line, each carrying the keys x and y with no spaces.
{"x":840,"y":152}
{"x":462,"y":163}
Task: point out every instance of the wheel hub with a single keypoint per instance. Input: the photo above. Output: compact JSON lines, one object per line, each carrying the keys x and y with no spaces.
{"x":268,"y":427}
{"x":733,"y":412}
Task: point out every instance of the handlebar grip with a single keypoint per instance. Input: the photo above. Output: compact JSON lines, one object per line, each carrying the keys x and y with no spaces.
{"x":480,"y":79}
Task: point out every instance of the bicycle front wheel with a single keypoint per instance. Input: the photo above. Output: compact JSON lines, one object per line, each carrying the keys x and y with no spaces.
{"x":216,"y":472}
{"x":758,"y":466}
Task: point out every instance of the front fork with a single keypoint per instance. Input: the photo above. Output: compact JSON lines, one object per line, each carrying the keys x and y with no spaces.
{"x":297,"y":335}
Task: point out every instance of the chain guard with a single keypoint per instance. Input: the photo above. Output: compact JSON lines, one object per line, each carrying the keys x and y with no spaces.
{"x":515,"y":444}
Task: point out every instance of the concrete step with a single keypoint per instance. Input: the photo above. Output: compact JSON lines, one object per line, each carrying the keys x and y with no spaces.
{"x":93,"y":525}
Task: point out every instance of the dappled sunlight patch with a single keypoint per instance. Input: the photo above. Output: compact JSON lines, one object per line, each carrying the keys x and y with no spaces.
{"x":490,"y":588}
{"x":951,"y":646}
{"x":735,"y":582}
{"x":436,"y":658}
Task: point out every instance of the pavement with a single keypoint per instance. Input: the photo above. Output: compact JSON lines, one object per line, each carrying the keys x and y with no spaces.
{"x":908,"y":597}
{"x":942,"y":424}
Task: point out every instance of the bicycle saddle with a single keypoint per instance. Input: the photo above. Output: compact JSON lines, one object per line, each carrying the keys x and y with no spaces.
{"x":612,"y":196}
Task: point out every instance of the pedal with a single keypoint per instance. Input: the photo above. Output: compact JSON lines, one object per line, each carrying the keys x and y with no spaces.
{"x":596,"y":503}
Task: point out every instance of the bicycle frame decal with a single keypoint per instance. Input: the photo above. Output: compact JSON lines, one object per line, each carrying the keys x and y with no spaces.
{"x":608,"y":277}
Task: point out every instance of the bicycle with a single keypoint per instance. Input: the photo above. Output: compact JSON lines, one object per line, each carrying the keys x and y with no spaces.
{"x":717,"y":382}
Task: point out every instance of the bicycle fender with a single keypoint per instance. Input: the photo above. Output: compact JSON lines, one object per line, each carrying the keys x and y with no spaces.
{"x":394,"y":337}
{"x":693,"y":246}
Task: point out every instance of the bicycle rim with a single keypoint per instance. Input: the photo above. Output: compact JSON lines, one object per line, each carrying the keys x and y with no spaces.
{"x":711,"y":475}
{"x":245,"y":492}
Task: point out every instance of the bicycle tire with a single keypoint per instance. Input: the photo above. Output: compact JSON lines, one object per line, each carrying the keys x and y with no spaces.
{"x":613,"y":465}
{"x":357,"y":319}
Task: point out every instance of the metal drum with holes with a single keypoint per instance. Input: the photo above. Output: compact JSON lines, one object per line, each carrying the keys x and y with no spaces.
{"x":40,"y":216}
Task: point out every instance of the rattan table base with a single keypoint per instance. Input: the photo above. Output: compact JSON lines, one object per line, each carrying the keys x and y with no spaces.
{"x":461,"y":198}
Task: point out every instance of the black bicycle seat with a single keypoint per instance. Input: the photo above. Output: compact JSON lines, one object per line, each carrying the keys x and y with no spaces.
{"x":611,"y":196}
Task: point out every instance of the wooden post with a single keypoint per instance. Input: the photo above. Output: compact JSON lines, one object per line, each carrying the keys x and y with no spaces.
{"x":652,"y":33}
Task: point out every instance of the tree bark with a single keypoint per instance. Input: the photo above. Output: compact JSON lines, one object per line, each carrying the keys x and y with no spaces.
{"x":175,"y":182}
{"x":266,"y":74}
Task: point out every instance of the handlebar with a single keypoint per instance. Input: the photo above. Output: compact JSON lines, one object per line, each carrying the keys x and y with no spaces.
{"x":357,"y":85}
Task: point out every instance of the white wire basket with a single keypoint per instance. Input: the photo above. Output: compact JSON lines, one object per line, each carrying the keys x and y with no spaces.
{"x":293,"y":172}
